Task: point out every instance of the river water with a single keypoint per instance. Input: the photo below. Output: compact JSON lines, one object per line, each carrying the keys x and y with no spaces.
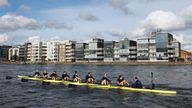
{"x":17,"y":94}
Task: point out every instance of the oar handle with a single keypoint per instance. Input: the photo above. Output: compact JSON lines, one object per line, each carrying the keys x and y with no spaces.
{"x":152,"y":84}
{"x":151,"y":77}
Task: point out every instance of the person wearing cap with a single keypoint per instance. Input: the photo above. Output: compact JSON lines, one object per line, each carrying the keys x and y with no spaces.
{"x":76,"y":77}
{"x":54,"y":76}
{"x":105,"y":80}
{"x":121,"y":81}
{"x":37,"y":74}
{"x":137,"y":83}
{"x":45,"y":74}
{"x":89,"y":78}
{"x":65,"y":76}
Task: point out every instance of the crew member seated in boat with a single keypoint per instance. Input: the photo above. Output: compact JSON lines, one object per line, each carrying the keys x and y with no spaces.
{"x":54,"y":76}
{"x":137,"y":83}
{"x":76,"y":77}
{"x":37,"y":74}
{"x":121,"y":81}
{"x":105,"y":80}
{"x":45,"y":74}
{"x":65,"y":76}
{"x":89,"y":78}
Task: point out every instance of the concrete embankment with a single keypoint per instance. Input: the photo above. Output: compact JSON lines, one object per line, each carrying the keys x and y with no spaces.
{"x":104,"y":63}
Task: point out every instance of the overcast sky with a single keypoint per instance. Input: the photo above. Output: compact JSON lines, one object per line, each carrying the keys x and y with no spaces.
{"x":81,"y":20}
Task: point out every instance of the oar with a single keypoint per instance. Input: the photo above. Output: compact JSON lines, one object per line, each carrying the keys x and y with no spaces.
{"x":45,"y":83}
{"x":8,"y":77}
{"x":152,"y":83}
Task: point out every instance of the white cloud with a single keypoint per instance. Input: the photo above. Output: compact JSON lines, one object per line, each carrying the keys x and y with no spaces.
{"x":57,"y":25}
{"x":164,"y":20}
{"x":4,"y":38}
{"x":13,"y":22}
{"x":87,"y":16}
{"x":4,"y":3}
{"x":33,"y":39}
{"x":117,"y":33}
{"x":121,"y":5}
{"x":24,"y":8}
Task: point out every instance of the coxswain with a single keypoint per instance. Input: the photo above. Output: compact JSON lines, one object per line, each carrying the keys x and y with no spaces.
{"x":54,"y":76}
{"x":90,"y":78}
{"x":45,"y":74}
{"x":137,"y":83}
{"x":121,"y":81}
{"x":105,"y":80}
{"x":76,"y":77}
{"x":65,"y":76}
{"x":37,"y":74}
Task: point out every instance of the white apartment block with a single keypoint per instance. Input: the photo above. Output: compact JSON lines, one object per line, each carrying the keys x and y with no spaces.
{"x":13,"y":54}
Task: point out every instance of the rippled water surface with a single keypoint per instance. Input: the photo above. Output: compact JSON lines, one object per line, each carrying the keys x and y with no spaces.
{"x":17,"y":94}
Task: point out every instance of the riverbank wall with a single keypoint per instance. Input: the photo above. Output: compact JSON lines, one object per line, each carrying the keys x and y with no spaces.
{"x":103,"y":63}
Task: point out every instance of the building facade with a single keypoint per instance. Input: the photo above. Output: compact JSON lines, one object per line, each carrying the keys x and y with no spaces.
{"x":4,"y":52}
{"x":80,"y":51}
{"x":125,"y":50}
{"x":109,"y":51}
{"x":95,"y":50}
{"x":62,"y":52}
{"x":51,"y":50}
{"x":13,"y":54}
{"x":70,"y":51}
{"x":159,"y":46}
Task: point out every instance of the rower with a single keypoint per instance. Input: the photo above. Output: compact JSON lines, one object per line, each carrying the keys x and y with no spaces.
{"x":54,"y":76}
{"x":137,"y":83}
{"x":121,"y":81}
{"x":90,"y":78}
{"x":37,"y":74}
{"x":76,"y":77}
{"x":65,"y":76}
{"x":105,"y":80}
{"x":45,"y":75}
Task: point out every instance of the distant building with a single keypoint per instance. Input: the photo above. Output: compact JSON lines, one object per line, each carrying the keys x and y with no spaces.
{"x":159,"y":46}
{"x":51,"y":50}
{"x":62,"y":52}
{"x":66,"y":51}
{"x":13,"y":54}
{"x":4,"y":52}
{"x":80,"y":51}
{"x":34,"y":53}
{"x":109,"y":51}
{"x":70,"y":51}
{"x":95,"y":50}
{"x":125,"y":50}
{"x":186,"y":55}
{"x":23,"y":52}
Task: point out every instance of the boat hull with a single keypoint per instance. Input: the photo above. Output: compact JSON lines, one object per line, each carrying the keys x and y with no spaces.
{"x":100,"y":86}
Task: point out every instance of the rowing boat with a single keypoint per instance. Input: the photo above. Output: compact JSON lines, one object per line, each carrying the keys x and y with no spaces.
{"x":100,"y":86}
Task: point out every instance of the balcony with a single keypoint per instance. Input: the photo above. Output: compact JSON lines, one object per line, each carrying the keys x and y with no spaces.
{"x":132,"y":52}
{"x":133,"y":47}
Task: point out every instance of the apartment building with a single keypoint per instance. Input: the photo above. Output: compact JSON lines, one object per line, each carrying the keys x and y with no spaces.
{"x":4,"y":52}
{"x":62,"y":52}
{"x":35,"y":52}
{"x":23,"y":52}
{"x":95,"y":50}
{"x":50,"y":49}
{"x":80,"y":52}
{"x":158,"y":46}
{"x":109,"y":51}
{"x":13,"y":54}
{"x":70,"y":51}
{"x":125,"y":50}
